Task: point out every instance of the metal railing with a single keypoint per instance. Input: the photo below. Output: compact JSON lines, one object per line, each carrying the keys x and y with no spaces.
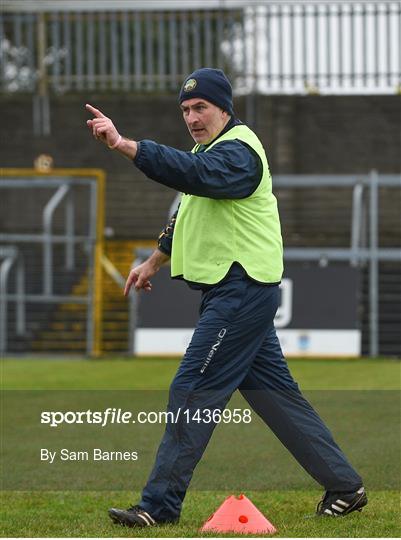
{"x":48,"y":213}
{"x":359,"y":252}
{"x":48,"y":238}
{"x":63,"y":181}
{"x":265,"y":46}
{"x":140,"y":255}
{"x":10,"y":256}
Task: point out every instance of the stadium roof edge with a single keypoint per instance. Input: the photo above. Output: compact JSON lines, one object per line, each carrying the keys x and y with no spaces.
{"x":153,"y":5}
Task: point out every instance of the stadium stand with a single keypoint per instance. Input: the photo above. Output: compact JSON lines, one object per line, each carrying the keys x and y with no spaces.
{"x":328,"y":117}
{"x":313,"y":218}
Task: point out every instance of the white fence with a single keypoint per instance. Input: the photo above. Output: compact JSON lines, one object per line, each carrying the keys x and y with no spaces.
{"x":279,"y":47}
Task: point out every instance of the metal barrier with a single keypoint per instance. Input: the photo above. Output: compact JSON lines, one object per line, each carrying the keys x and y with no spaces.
{"x":64,"y":180}
{"x":140,"y":255}
{"x":11,"y":256}
{"x":362,"y":249}
{"x":265,"y":46}
{"x":48,"y":213}
{"x":356,"y":254}
{"x":358,"y":221}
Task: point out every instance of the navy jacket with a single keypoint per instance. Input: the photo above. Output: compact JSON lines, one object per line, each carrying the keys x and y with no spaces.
{"x":229,"y":170}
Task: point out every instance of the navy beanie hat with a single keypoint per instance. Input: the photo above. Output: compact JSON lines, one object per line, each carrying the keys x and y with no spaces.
{"x":210,"y":84}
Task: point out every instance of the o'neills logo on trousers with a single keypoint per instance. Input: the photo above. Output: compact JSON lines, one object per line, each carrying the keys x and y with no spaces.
{"x":220,"y":337}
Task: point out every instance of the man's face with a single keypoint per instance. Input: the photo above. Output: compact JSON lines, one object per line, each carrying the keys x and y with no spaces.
{"x":203,"y":119}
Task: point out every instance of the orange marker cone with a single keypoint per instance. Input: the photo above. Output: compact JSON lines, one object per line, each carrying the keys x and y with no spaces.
{"x":240,"y":515}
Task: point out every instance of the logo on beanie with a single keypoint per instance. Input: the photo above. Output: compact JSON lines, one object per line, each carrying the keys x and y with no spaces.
{"x":190,"y":85}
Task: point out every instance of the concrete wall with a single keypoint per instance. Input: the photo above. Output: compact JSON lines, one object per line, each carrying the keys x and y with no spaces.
{"x":311,"y":134}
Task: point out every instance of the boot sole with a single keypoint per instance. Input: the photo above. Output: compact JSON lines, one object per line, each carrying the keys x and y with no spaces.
{"x":118,"y":521}
{"x":355,"y":508}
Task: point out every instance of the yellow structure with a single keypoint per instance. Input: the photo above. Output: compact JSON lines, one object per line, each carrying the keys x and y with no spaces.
{"x":99,"y":177}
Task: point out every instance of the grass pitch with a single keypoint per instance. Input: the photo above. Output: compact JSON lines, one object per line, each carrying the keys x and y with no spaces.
{"x":84,"y":513}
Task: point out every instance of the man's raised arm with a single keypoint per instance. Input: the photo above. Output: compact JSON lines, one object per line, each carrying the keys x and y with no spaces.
{"x":105,"y":131}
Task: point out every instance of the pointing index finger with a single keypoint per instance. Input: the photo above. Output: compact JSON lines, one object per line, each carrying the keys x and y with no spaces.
{"x":94,"y":111}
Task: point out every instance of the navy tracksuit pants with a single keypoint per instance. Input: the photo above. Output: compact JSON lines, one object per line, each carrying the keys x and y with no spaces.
{"x":235,"y":346}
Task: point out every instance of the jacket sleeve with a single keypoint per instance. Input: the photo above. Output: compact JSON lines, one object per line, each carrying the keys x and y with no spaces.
{"x":229,"y":170}
{"x":165,"y":240}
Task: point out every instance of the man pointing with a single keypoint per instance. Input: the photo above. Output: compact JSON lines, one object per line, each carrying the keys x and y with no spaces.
{"x":225,"y":240}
